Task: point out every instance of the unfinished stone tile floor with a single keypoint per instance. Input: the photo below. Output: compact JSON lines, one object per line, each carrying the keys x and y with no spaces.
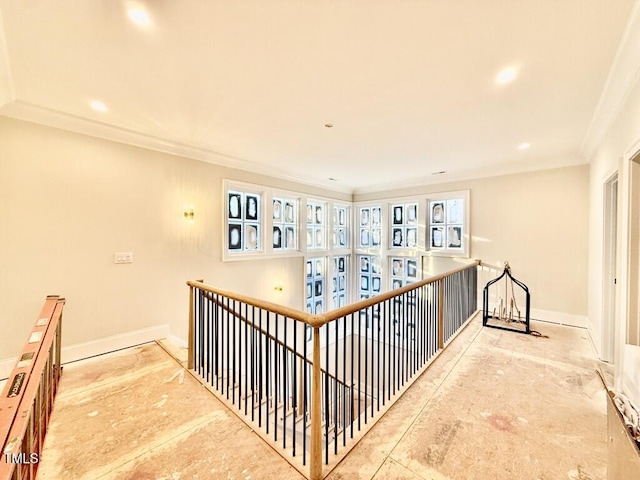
{"x":495,"y":405}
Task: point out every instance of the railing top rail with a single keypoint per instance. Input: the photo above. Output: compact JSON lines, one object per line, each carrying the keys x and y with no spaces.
{"x":22,"y":386}
{"x":368,"y":302}
{"x":273,"y":307}
{"x":323,"y":318}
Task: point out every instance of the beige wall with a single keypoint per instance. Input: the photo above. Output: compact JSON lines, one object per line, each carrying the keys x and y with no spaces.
{"x":538,"y":222}
{"x":68,"y":202}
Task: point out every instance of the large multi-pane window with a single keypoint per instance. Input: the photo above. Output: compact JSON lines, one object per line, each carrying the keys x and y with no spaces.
{"x":369,"y":276}
{"x":340,"y":281}
{"x":315,"y":285}
{"x":244,"y":221}
{"x":316,"y":225}
{"x":403,"y":271}
{"x":369,"y":223}
{"x":447,"y":232}
{"x":341,"y":223}
{"x":285,"y":223}
{"x":404,"y":225}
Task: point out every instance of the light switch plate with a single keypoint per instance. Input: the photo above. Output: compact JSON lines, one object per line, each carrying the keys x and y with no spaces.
{"x":123,"y":257}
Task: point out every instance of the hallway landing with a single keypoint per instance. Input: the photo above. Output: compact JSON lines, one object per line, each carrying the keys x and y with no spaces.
{"x":495,"y":405}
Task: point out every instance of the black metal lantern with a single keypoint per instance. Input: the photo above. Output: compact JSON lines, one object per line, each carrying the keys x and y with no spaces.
{"x":506,"y":313}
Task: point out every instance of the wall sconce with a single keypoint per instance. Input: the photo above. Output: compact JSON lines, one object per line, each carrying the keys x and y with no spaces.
{"x":278,"y":288}
{"x":189,"y":214}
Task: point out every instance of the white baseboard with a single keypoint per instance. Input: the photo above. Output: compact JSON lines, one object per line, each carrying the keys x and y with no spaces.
{"x":559,"y":317}
{"x":100,"y":346}
{"x":177,"y":341}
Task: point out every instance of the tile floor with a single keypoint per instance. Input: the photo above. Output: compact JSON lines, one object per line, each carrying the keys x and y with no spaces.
{"x":495,"y":405}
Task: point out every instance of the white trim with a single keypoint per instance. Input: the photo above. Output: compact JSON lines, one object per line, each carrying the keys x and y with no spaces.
{"x":606,"y":344}
{"x":53,"y":118}
{"x":100,"y":346}
{"x":177,"y":341}
{"x":7,"y":91}
{"x":623,"y":75}
{"x":624,"y":241}
{"x":560,"y":318}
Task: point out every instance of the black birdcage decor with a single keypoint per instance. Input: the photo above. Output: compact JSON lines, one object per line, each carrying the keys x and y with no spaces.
{"x":502,"y":300}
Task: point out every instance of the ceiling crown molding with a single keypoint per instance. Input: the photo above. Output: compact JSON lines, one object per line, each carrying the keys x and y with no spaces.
{"x":53,"y":118}
{"x":623,"y":76}
{"x":7,"y":92}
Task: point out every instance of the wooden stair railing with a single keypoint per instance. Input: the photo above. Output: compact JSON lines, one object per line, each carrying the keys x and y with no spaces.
{"x":428,"y":321}
{"x":28,"y":396}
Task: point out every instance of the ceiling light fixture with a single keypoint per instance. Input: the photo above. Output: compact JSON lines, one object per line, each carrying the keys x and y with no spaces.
{"x":439,"y":173}
{"x":98,"y":106}
{"x":524,"y":146}
{"x":506,"y":75}
{"x":139,"y":17}
{"x":328,"y":125}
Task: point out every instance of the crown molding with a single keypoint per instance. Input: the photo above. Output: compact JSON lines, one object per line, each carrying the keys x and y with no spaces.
{"x":623,"y":76}
{"x":7,"y":92}
{"x":498,"y":170}
{"x":53,"y":118}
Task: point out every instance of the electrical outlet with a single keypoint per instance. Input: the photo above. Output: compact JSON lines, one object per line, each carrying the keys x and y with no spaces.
{"x":123,"y":257}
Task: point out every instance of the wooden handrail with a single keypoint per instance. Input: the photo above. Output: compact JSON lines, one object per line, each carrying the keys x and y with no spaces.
{"x":265,"y":305}
{"x":369,"y":302}
{"x":36,"y":376}
{"x":319,"y":320}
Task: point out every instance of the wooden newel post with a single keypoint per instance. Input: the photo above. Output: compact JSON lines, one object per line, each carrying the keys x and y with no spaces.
{"x":190,"y":360}
{"x":315,"y":467}
{"x":440,"y":313}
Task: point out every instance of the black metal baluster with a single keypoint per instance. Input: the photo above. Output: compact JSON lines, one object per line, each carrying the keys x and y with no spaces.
{"x":344,"y":378}
{"x":359,"y":366}
{"x":394,"y":365}
{"x":336,"y":404}
{"x":267,"y":370}
{"x":326,"y":396}
{"x":253,"y":363}
{"x":294,"y":389}
{"x":200,"y":334}
{"x":366,"y":362}
{"x":260,"y":365}
{"x":233,"y":354}
{"x":276,"y":381}
{"x":385,"y":355}
{"x":227,"y":347}
{"x":352,"y":377}
{"x":246,"y":357}
{"x":377,"y":333}
{"x":304,"y":398}
{"x":285,"y":380}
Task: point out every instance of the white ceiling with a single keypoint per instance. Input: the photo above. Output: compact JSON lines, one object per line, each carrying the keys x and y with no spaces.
{"x":408,"y":85}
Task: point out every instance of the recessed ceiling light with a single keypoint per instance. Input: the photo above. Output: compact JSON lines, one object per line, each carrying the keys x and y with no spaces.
{"x":333,"y":179}
{"x":98,"y":106}
{"x":439,"y":173}
{"x":139,"y":17}
{"x":328,"y":125}
{"x":506,"y":75}
{"x":524,"y":146}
